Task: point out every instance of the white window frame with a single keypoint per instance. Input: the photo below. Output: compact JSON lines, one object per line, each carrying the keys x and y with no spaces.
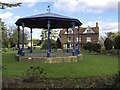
{"x":79,"y":39}
{"x":88,"y":39}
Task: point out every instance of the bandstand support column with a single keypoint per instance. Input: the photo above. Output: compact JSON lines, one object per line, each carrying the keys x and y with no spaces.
{"x":18,"y":39}
{"x":78,"y":50}
{"x":73,"y":52}
{"x":67,"y":40}
{"x":48,"y":53}
{"x":31,"y":40}
{"x":22,"y":52}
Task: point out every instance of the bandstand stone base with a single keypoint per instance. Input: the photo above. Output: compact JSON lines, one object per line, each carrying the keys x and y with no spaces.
{"x":49,"y":59}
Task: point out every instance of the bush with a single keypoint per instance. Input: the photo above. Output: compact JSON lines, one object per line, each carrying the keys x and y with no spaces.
{"x":116,"y":81}
{"x":92,"y":47}
{"x":113,"y":82}
{"x":113,"y":52}
{"x":52,"y":44}
{"x":96,"y":47}
{"x":34,"y":74}
{"x":58,"y":42}
{"x":87,"y":46}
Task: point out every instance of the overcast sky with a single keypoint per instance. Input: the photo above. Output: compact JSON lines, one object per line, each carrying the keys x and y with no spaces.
{"x":105,"y":12}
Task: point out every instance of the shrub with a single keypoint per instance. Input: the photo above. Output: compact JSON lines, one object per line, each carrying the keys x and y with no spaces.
{"x":111,"y":52}
{"x":113,"y":82}
{"x":108,"y":43}
{"x":116,"y":81}
{"x":96,"y":47}
{"x":58,"y":42}
{"x":34,"y":74}
{"x":2,"y":67}
{"x":87,"y":46}
{"x":52,"y":44}
{"x":114,"y":52}
{"x":92,"y":47}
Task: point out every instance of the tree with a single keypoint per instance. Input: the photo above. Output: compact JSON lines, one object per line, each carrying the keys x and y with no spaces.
{"x":101,"y":40}
{"x":117,"y":42}
{"x":58,"y":42}
{"x":111,"y":35}
{"x":44,"y":34}
{"x":53,"y":34}
{"x":52,"y":44}
{"x":36,"y":41}
{"x":108,"y":43}
{"x":13,"y":38}
{"x":115,"y":37}
{"x":3,"y":34}
{"x":5,"y":5}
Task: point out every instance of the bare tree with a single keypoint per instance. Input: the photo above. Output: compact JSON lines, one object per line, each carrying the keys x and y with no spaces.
{"x":53,"y":34}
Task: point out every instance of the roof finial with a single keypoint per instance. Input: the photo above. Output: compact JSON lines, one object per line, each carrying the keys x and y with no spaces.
{"x":48,"y":9}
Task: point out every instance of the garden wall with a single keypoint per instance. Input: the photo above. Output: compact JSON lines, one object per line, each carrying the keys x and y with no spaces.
{"x":50,"y":59}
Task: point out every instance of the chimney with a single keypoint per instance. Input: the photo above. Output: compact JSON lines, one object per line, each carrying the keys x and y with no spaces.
{"x":96,"y":24}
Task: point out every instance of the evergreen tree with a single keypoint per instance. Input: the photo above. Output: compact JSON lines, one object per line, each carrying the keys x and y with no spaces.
{"x":117,"y":42}
{"x":108,"y":43}
{"x":3,"y":34}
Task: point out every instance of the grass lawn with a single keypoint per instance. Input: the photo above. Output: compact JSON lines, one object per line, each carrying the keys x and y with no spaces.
{"x":90,"y":65}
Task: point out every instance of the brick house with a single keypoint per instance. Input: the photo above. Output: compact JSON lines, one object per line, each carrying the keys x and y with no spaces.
{"x":87,"y":34}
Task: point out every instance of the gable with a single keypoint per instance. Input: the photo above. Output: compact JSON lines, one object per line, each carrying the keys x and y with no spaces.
{"x":70,"y":31}
{"x":88,"y":30}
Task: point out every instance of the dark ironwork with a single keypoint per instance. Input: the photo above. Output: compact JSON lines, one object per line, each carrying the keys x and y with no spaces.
{"x":48,"y":9}
{"x":47,"y":21}
{"x":48,"y":53}
{"x":78,"y":46}
{"x":18,"y":39}
{"x":22,"y":51}
{"x":73,"y":53}
{"x":41,"y":20}
{"x":31,"y":40}
{"x":67,"y":40}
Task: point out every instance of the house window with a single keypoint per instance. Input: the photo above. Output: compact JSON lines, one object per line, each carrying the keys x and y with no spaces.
{"x":70,"y":31}
{"x":68,"y":45}
{"x":88,"y":31}
{"x":79,"y":39}
{"x":88,"y":39}
{"x":76,"y":45}
{"x":69,"y":39}
{"x":65,"y":33}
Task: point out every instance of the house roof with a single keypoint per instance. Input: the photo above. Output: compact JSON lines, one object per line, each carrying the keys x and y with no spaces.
{"x":82,"y":29}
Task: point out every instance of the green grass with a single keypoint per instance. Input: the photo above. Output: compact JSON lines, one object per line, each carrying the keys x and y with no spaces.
{"x":90,"y":65}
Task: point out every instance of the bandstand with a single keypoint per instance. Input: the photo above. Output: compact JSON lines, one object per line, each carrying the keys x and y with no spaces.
{"x":47,"y":21}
